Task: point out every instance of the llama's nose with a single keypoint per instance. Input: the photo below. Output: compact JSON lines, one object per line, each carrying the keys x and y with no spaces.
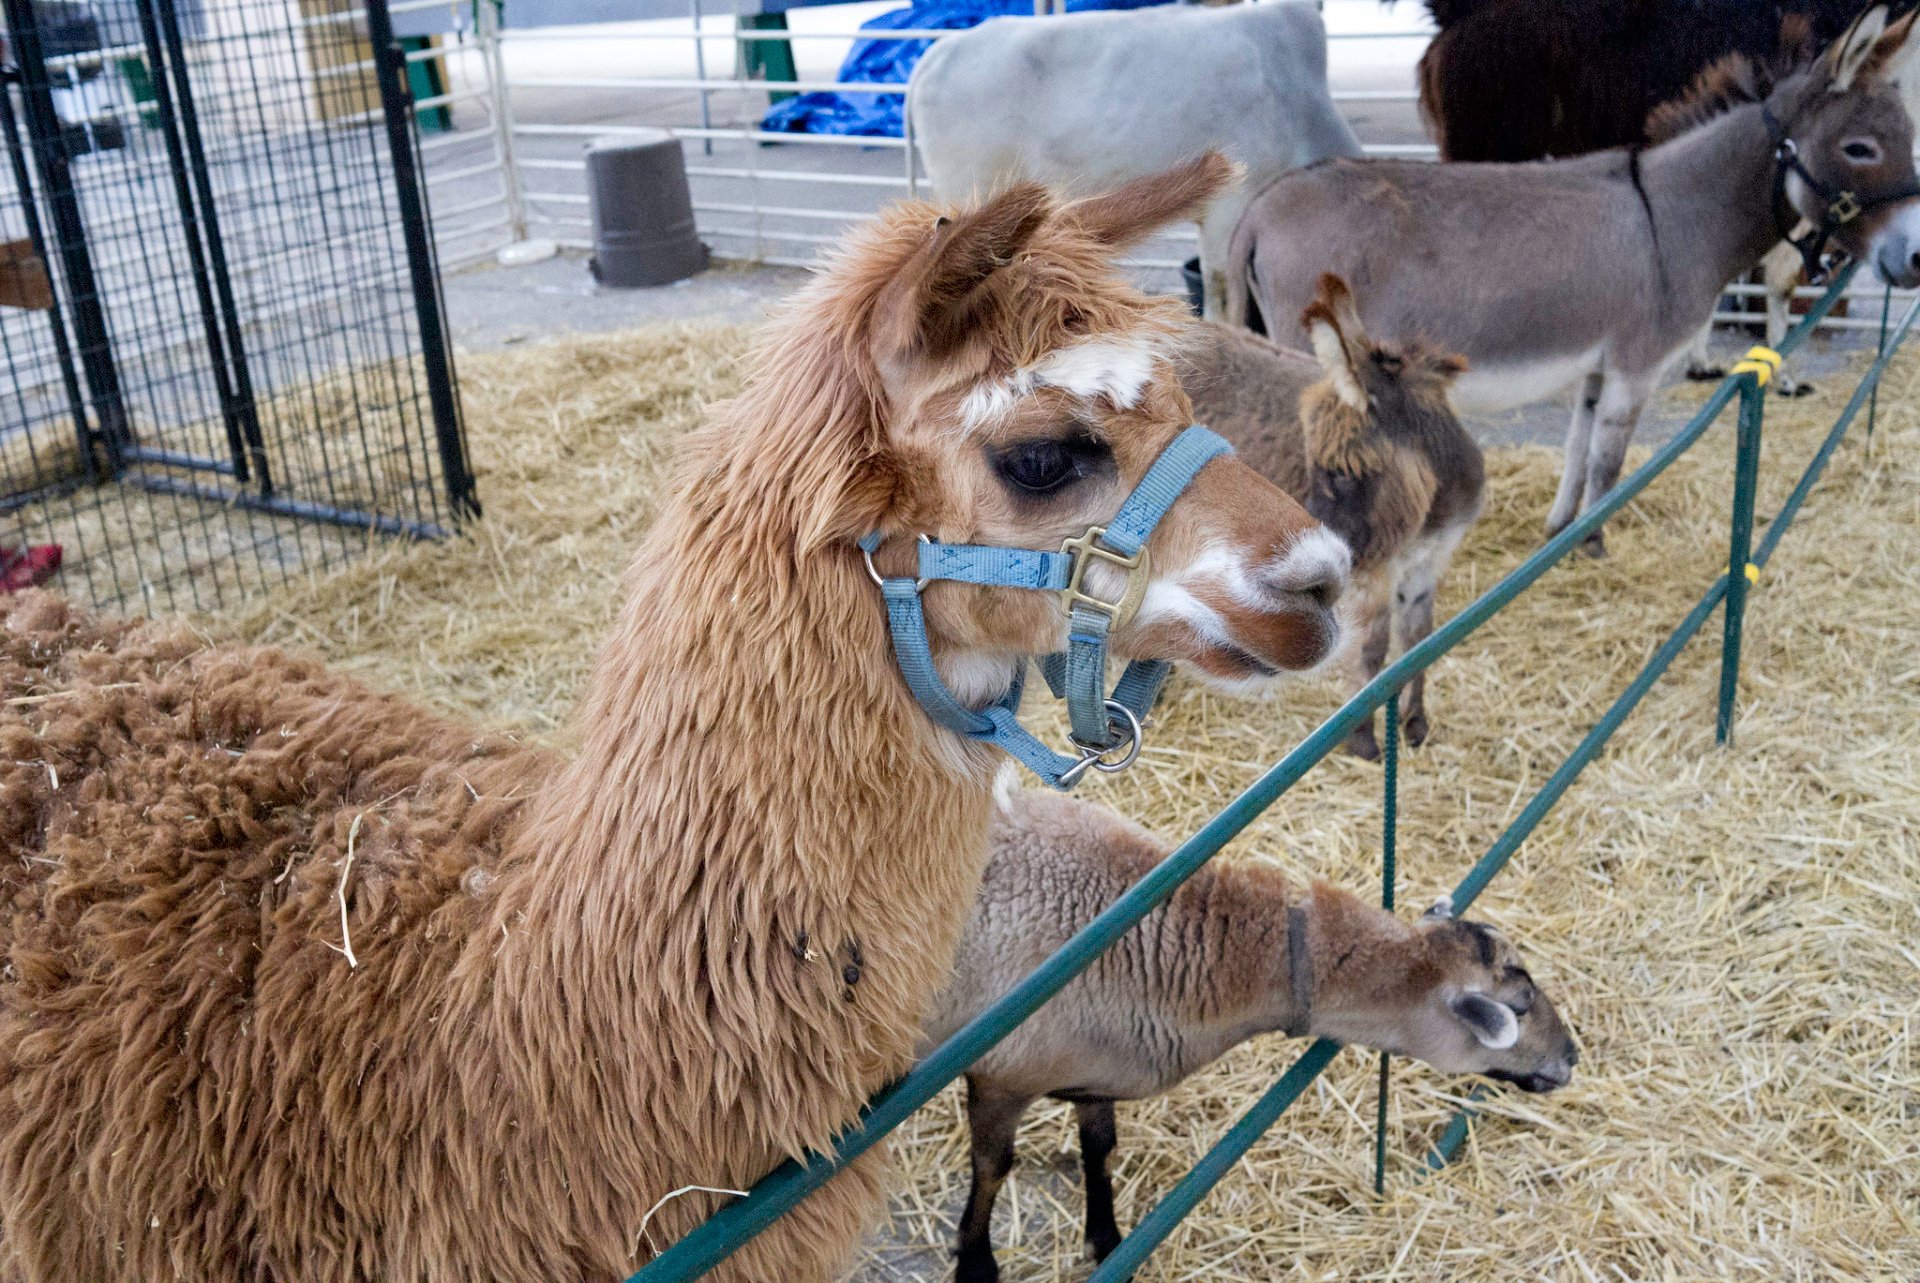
{"x":1316,"y":567}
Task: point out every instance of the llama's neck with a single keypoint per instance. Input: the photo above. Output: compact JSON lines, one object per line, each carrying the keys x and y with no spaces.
{"x":1711,"y":190}
{"x":752,"y":878}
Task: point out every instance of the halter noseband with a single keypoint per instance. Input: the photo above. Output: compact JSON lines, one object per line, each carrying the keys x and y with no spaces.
{"x":1103,"y":723}
{"x":1843,"y":205}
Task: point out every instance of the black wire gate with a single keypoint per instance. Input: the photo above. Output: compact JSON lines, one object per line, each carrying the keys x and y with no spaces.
{"x":225,"y":349}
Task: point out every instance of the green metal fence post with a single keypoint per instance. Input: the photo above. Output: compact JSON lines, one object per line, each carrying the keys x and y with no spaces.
{"x":1741,"y":572}
{"x":1389,"y":842}
{"x":1873,"y":406}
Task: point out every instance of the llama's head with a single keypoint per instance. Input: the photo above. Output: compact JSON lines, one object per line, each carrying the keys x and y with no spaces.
{"x":1024,"y":389}
{"x":1479,"y":1012}
{"x":1373,"y":428}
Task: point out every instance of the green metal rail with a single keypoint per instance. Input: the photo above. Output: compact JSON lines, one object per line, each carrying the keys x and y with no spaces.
{"x":772,"y":1197}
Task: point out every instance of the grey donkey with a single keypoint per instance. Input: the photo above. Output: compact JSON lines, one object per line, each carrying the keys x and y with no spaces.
{"x":1364,"y":436}
{"x":1235,"y":953}
{"x":1597,"y":271}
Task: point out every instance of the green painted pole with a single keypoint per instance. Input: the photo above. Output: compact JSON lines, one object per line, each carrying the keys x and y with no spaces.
{"x":1741,"y":572}
{"x":1389,"y":835}
{"x":1873,"y":406}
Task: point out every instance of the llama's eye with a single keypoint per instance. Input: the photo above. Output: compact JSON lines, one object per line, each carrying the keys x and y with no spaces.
{"x":1048,"y":465}
{"x":1860,"y":149}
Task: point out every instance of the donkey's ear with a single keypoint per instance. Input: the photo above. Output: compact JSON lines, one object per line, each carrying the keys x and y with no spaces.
{"x":1492,"y":1023}
{"x":1848,"y":56}
{"x":1136,"y":210}
{"x":1333,"y":324}
{"x":937,"y":295}
{"x":1893,"y":52}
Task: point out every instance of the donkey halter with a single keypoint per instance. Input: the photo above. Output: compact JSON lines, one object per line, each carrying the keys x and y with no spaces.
{"x":1107,"y":726}
{"x":1843,"y":204}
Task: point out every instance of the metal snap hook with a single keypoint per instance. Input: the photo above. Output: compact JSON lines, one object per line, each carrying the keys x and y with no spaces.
{"x":1097,"y":758}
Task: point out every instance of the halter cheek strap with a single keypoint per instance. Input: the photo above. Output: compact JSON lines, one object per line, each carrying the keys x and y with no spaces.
{"x":1843,"y":205}
{"x":1103,"y":722}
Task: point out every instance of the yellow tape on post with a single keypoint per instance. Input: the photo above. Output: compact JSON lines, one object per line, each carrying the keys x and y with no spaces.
{"x":1760,"y":362}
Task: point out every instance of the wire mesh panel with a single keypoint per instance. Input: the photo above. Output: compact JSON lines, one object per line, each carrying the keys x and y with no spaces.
{"x":224,"y":345}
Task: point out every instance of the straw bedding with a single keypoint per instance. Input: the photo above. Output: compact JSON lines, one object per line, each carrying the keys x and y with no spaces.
{"x":1735,"y":935}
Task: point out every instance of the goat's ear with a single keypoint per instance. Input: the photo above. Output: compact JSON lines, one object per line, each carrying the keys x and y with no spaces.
{"x":1493,"y":1023}
{"x":1136,"y":210}
{"x":937,"y":296}
{"x":1849,"y":55}
{"x":1333,"y":324}
{"x":1440,"y":910}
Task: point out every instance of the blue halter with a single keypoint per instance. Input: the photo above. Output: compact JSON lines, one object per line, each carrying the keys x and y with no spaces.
{"x":1103,"y":723}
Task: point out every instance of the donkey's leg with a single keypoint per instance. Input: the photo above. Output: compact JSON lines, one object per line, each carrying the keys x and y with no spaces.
{"x":1566,"y":501}
{"x":1369,"y":657}
{"x":1781,"y":270}
{"x":1413,"y":621}
{"x":1098,"y":1136}
{"x":1216,"y":235}
{"x":992,"y":1119}
{"x":1700,"y":366}
{"x":1622,"y":399}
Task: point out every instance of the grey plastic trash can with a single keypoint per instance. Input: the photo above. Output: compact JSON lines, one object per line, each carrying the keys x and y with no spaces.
{"x":642,"y":211}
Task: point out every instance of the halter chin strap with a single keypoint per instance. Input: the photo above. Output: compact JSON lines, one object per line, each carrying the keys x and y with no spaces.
{"x":1103,"y":723}
{"x":1843,"y":204}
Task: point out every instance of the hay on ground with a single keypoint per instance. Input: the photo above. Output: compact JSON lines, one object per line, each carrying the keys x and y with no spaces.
{"x":1731,"y":933}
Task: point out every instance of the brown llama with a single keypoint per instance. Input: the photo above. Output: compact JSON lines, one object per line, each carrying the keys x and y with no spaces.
{"x":1364,"y":435}
{"x":303,"y":982}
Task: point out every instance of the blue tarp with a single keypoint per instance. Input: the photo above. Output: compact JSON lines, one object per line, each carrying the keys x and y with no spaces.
{"x":892,"y":61}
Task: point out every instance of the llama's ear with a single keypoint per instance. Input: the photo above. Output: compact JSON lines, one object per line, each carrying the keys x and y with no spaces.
{"x":1333,"y":324}
{"x":937,"y":295}
{"x":1849,"y":55}
{"x":1492,"y":1023}
{"x":1136,"y":210}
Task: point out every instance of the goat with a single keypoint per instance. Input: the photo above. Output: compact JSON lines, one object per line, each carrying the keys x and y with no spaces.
{"x":1364,"y":436}
{"x":1233,"y":954}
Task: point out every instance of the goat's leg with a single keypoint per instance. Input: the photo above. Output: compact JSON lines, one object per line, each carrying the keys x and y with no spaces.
{"x":1621,"y":401}
{"x":992,"y":1119}
{"x":1700,"y":366}
{"x":1566,"y":501}
{"x":1781,"y":270}
{"x":1098,"y":1135}
{"x":1368,"y":659}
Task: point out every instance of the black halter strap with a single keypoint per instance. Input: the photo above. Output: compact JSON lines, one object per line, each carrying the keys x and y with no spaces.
{"x":1843,"y":205}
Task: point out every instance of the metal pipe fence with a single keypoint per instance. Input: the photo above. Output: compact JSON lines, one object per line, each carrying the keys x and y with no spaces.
{"x":772,"y":1197}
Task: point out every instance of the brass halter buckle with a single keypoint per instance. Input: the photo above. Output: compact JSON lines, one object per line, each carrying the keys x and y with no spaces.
{"x":1085,"y":549}
{"x":1844,"y":208}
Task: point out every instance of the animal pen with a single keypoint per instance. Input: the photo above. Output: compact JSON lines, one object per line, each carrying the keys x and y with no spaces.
{"x":1745,"y":387}
{"x":226,"y":359}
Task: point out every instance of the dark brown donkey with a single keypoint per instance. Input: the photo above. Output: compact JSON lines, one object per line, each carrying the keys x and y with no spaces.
{"x":1595,"y":272}
{"x":1365,"y":438}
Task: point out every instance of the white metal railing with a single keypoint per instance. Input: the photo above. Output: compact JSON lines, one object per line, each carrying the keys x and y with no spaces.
{"x":535,"y":120}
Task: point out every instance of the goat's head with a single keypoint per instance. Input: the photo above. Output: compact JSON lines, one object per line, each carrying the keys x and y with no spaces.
{"x":1483,"y":1014}
{"x":1365,"y":424}
{"x":1024,"y":390}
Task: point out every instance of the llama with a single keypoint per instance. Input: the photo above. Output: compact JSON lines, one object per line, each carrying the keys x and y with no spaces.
{"x":1366,"y":439}
{"x":1514,"y":80}
{"x":1480,"y":256}
{"x":1235,"y":953}
{"x":304,"y":982}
